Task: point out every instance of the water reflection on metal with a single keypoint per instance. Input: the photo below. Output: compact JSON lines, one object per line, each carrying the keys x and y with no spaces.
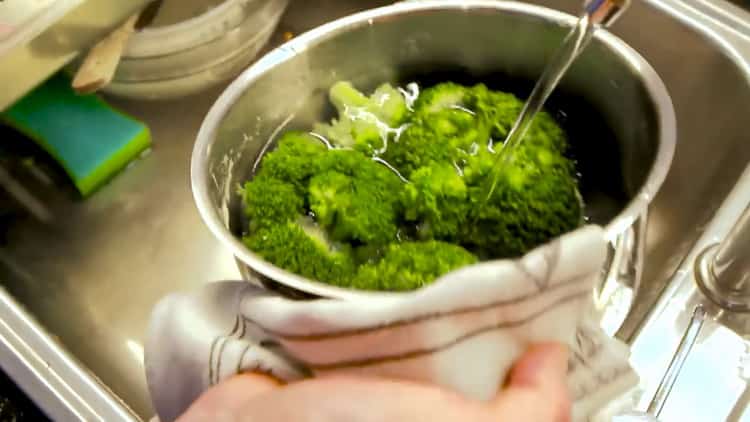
{"x":712,"y":383}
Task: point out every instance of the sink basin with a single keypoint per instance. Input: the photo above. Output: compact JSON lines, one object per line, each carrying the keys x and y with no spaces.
{"x":708,"y":357}
{"x":82,"y":286}
{"x":709,"y":82}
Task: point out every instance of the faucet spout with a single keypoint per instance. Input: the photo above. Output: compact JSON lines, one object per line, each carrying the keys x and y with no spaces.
{"x":731,"y":265}
{"x":723,"y":270}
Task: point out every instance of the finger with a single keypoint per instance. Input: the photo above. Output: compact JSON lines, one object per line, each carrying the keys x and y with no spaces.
{"x":361,"y":399}
{"x":227,"y":397}
{"x":537,"y":389}
{"x":543,"y":367}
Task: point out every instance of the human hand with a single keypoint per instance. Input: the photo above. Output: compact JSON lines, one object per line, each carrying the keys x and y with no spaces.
{"x":536,"y":391}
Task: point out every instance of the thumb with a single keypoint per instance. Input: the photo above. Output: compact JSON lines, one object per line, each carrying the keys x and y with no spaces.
{"x":537,"y":387}
{"x":543,"y":367}
{"x":222,"y":401}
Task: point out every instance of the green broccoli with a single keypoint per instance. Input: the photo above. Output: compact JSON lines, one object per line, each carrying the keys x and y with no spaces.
{"x":446,"y":95}
{"x":437,"y":198}
{"x":368,"y":254}
{"x":337,"y":215}
{"x":294,"y":160}
{"x":500,"y":110}
{"x":411,"y":265}
{"x":303,"y":248}
{"x":535,"y":200}
{"x":451,"y":122}
{"x":364,"y":123}
{"x":355,"y":198}
{"x":442,"y":129}
{"x":269,"y":201}
{"x":386,"y":103}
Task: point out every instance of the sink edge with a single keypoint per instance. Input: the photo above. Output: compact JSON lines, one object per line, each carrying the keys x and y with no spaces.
{"x":48,"y":374}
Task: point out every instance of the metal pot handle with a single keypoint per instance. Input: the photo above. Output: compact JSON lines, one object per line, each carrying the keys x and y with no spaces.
{"x":621,"y":282}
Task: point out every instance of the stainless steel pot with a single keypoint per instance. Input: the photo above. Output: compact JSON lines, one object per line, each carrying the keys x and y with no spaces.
{"x":619,"y":113}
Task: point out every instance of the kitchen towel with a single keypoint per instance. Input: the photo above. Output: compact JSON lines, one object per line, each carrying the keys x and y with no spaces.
{"x":462,"y":332}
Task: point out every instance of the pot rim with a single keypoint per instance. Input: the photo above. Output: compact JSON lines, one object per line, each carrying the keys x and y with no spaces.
{"x":199,"y":163}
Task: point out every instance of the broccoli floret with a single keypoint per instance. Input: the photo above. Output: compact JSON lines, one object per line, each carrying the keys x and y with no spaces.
{"x":362,"y":133}
{"x":437,"y":198}
{"x":364,"y":123}
{"x":451,"y":121}
{"x":546,"y":134}
{"x":294,"y":160}
{"x":500,"y":110}
{"x":411,"y":265}
{"x":389,"y":104}
{"x":368,"y":254}
{"x":446,"y":137}
{"x":536,"y":199}
{"x":339,"y":216}
{"x":386,"y":103}
{"x":302,"y":248}
{"x":344,"y":95}
{"x":268,"y":201}
{"x":443,"y":96}
{"x":442,"y":129}
{"x":355,"y":198}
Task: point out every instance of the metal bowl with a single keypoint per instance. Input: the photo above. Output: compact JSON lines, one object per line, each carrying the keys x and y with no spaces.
{"x":614,"y":106}
{"x":182,"y":58}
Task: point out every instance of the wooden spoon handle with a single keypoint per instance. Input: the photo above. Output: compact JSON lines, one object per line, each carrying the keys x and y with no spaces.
{"x":100,"y":64}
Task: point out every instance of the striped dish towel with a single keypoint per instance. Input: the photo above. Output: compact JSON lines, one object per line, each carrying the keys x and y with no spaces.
{"x":462,"y":332}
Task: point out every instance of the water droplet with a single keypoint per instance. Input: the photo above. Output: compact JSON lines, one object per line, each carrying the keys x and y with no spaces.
{"x":410,"y":93}
{"x":322,"y":139}
{"x":462,"y":108}
{"x":458,"y":169}
{"x":391,"y":168}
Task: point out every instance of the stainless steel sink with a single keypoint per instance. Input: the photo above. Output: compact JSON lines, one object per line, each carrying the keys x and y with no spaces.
{"x":88,"y":279}
{"x":705,"y":64}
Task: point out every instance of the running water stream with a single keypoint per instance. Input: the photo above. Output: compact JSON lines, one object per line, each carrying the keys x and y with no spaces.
{"x":596,"y":14}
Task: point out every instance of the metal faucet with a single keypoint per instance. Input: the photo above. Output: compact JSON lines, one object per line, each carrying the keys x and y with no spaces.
{"x":723,"y":269}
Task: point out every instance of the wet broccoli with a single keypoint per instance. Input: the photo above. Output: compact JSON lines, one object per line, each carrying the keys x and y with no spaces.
{"x":500,"y":109}
{"x":444,"y":96}
{"x":436,"y":199}
{"x":355,"y":198}
{"x":536,"y":199}
{"x":364,"y":123}
{"x":269,"y":201}
{"x":335,"y":214}
{"x":303,"y":248}
{"x":411,"y":265}
{"x":294,"y":160}
{"x":441,"y":130}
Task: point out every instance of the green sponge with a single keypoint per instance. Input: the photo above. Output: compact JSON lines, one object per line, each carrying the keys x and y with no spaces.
{"x":91,"y":140}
